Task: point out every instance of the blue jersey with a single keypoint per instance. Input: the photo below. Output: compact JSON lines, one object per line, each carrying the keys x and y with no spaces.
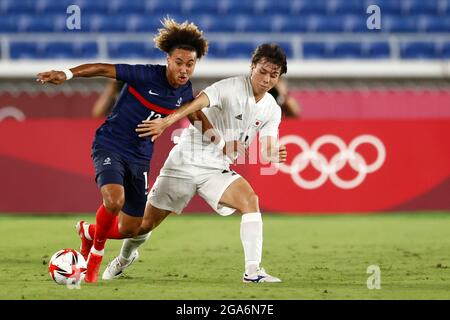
{"x":146,"y":95}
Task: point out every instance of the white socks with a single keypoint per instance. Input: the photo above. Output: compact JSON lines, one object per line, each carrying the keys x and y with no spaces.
{"x":252,"y":240}
{"x":129,"y":246}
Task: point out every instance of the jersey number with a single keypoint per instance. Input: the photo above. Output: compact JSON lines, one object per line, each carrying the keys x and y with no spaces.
{"x":153,"y":115}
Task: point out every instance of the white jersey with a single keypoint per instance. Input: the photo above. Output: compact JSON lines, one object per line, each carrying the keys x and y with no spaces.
{"x":235,"y":114}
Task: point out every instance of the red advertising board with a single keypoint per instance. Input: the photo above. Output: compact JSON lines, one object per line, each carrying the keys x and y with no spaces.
{"x":338,"y":166}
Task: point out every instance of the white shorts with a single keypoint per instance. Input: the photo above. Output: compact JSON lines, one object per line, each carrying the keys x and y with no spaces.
{"x":177,"y":185}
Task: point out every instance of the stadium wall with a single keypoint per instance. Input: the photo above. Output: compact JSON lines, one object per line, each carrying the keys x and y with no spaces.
{"x":352,"y":151}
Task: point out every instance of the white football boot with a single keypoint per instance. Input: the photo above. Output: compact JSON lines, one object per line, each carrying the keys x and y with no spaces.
{"x":115,"y":269}
{"x":259,"y":275}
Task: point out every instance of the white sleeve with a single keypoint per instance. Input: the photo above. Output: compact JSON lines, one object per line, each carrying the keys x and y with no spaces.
{"x":270,"y":128}
{"x":216,"y":92}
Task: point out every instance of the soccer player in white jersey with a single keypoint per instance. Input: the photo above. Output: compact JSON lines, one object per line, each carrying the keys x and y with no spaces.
{"x":238,"y":108}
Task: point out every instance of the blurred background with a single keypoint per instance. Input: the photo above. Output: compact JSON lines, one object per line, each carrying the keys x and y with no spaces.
{"x":369,"y":84}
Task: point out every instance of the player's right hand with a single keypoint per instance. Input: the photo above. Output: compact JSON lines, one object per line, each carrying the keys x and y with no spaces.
{"x":55,"y":77}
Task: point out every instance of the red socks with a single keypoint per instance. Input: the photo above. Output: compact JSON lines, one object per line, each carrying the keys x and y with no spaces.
{"x":106,"y":227}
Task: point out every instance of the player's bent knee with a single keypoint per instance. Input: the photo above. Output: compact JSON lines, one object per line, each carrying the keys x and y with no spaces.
{"x":249,"y":203}
{"x":114,"y":205}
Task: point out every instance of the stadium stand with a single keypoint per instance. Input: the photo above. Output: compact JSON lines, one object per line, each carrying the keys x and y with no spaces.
{"x":335,"y":25}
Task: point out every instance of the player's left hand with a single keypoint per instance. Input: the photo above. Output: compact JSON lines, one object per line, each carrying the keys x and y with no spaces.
{"x":55,"y":77}
{"x":151,"y":128}
{"x":282,"y":154}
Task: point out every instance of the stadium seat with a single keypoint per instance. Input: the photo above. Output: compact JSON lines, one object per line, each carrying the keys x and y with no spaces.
{"x":343,"y":50}
{"x":290,"y":24}
{"x":418,"y":50}
{"x":217,"y":50}
{"x":37,"y":23}
{"x":240,"y":50}
{"x":412,"y":7}
{"x":388,"y":7}
{"x":18,"y":7}
{"x":164,"y":7}
{"x":133,"y":49}
{"x":434,"y":24}
{"x":445,"y":51}
{"x":103,"y":23}
{"x":330,"y":24}
{"x":93,"y":7}
{"x":59,"y":50}
{"x":315,"y":50}
{"x":8,"y":24}
{"x":127,"y":7}
{"x":307,"y":7}
{"x":399,"y":24}
{"x":24,"y":50}
{"x":346,"y":7}
{"x":195,"y":7}
{"x":274,"y":7}
{"x":53,"y":7}
{"x":239,"y":7}
{"x":141,"y":23}
{"x":376,"y":50}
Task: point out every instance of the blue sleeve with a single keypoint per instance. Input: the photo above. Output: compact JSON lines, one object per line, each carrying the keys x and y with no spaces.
{"x":133,"y":73}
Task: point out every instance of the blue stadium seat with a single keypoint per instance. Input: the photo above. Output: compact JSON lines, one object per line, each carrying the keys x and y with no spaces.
{"x":445,"y":50}
{"x":8,"y":24}
{"x":389,"y":7}
{"x":101,"y":23}
{"x":53,"y":7}
{"x":398,"y":24}
{"x":240,"y":50}
{"x":343,"y":50}
{"x":290,"y":24}
{"x":36,"y":23}
{"x":411,"y":7}
{"x":418,"y":50}
{"x":315,"y":50}
{"x":133,"y":50}
{"x":196,"y":7}
{"x":164,"y":7}
{"x":228,"y":23}
{"x":434,"y":24}
{"x":261,"y":24}
{"x":217,"y":50}
{"x":346,"y":7}
{"x":59,"y":50}
{"x":330,"y":24}
{"x":24,"y":50}
{"x":143,"y":23}
{"x":18,"y":7}
{"x":92,"y":7}
{"x":358,"y":24}
{"x":86,"y":50}
{"x":307,"y":7}
{"x":274,"y":7}
{"x":240,"y":7}
{"x":126,"y":7}
{"x":376,"y":50}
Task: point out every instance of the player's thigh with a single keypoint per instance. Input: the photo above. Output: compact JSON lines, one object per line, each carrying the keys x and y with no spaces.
{"x":136,"y":190}
{"x":241,"y":196}
{"x":171,"y":193}
{"x":109,"y":176}
{"x":226,"y":192}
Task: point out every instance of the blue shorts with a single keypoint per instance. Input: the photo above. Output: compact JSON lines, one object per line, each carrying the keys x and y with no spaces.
{"x":110,"y":168}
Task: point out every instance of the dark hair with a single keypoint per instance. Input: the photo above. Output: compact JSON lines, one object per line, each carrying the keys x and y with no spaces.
{"x":181,"y":36}
{"x":271,"y":52}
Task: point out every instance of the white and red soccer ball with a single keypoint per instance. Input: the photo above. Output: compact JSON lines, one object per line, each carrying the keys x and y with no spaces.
{"x":67,"y":266}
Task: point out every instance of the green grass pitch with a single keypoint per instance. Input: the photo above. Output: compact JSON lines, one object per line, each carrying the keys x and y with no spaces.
{"x":200,"y":257}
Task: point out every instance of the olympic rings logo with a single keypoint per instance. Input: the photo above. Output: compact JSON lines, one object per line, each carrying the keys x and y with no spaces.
{"x":330,"y":168}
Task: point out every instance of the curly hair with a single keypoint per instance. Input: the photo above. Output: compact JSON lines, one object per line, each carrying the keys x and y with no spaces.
{"x":184,"y":35}
{"x":271,"y":52}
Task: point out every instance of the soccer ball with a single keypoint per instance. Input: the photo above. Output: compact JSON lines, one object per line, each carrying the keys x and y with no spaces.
{"x":67,"y":266}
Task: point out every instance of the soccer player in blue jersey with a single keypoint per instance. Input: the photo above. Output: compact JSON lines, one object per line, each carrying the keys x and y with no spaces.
{"x":121,"y":158}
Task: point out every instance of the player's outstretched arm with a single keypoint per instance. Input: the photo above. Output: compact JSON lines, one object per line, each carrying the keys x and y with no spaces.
{"x":270,"y":151}
{"x":155,"y":128}
{"x":84,"y":71}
